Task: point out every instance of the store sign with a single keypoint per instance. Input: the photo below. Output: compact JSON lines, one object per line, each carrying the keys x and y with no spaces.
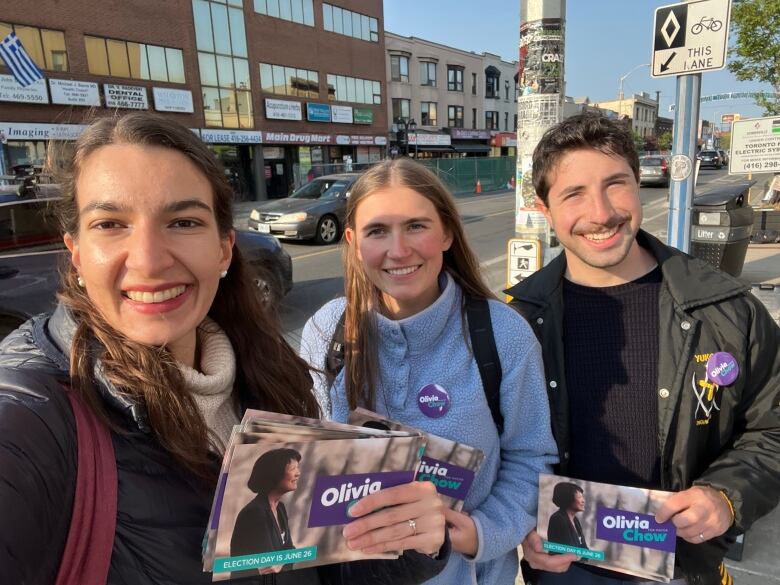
{"x":342,"y":114}
{"x":282,"y":110}
{"x":318,"y":112}
{"x":273,"y":152}
{"x":230,"y":136}
{"x":362,"y":115}
{"x":469,"y":134}
{"x":172,"y":100}
{"x":74,"y":93}
{"x":130,"y":97}
{"x":296,"y":138}
{"x":11,"y":91}
{"x":380,"y":140}
{"x":430,"y":139}
{"x":357,"y":140}
{"x":14,"y":131}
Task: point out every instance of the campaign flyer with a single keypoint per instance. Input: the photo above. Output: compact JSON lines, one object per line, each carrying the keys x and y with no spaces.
{"x":609,"y":526}
{"x":449,"y":465}
{"x":284,"y":504}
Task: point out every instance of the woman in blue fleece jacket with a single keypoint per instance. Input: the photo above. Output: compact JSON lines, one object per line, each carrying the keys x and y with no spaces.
{"x":407,"y":357}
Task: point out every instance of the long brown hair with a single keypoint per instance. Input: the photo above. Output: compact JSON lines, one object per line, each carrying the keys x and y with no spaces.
{"x":268,"y":372}
{"x":361,"y":351}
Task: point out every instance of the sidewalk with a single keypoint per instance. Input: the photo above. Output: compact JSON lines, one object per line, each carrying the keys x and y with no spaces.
{"x":760,"y":564}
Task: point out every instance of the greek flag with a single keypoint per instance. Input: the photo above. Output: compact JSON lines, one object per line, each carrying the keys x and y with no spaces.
{"x":18,"y":61}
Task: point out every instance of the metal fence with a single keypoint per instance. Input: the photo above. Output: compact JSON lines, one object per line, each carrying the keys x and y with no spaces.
{"x":460,"y":175}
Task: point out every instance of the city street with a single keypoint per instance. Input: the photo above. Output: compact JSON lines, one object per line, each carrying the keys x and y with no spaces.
{"x":489,"y":221}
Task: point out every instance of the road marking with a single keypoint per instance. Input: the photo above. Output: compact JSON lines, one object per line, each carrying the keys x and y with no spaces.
{"x":492,"y":261}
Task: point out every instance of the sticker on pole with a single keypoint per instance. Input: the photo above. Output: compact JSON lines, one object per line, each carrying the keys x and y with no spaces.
{"x":690,"y":37}
{"x":681,"y":167}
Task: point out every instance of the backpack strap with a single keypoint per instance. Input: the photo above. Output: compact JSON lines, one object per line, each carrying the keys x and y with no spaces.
{"x":334,"y":361}
{"x":483,"y":344}
{"x":87,"y":554}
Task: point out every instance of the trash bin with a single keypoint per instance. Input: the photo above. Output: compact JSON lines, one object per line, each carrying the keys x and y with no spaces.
{"x":721,"y":224}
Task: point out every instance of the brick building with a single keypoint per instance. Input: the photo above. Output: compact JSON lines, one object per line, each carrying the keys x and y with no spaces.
{"x":273,"y":86}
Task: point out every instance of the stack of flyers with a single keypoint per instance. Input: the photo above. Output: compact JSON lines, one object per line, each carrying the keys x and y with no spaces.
{"x":285,"y":488}
{"x":609,"y":526}
{"x":449,"y":465}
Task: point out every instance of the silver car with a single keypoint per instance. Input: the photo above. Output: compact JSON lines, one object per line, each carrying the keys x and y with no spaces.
{"x":314,"y":211}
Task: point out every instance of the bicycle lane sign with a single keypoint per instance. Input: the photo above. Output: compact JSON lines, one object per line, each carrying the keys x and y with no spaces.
{"x":690,"y":37}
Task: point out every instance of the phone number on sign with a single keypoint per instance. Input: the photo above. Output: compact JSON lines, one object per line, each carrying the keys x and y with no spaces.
{"x":762,"y":165}
{"x":21,"y":97}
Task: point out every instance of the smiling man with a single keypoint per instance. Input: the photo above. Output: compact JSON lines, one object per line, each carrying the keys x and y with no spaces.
{"x":662,"y":372}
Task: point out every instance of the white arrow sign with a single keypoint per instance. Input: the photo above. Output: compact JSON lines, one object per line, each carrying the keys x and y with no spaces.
{"x":690,"y":37}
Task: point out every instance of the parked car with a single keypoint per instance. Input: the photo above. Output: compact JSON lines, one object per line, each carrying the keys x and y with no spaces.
{"x":654,"y":170}
{"x":710,"y":158}
{"x":724,"y":157}
{"x":32,"y":253}
{"x":314,"y":211}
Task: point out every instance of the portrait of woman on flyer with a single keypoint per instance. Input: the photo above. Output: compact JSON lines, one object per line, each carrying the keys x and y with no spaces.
{"x":564,"y":526}
{"x":263,"y":525}
{"x":408,"y":273}
{"x":159,"y":343}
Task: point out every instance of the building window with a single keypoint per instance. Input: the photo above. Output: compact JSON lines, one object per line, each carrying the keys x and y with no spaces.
{"x":506,"y":121}
{"x":399,"y":68}
{"x":300,"y":11}
{"x":291,"y":81}
{"x":515,"y":126}
{"x":455,"y":78}
{"x":473,"y":118}
{"x":401,"y":109}
{"x":491,"y":120}
{"x":134,"y":60}
{"x":428,"y":73}
{"x":220,"y":37}
{"x":492,"y":77}
{"x":428,"y":114}
{"x":46,"y":47}
{"x":506,"y":89}
{"x":474,"y":84}
{"x":352,"y":24}
{"x":455,"y":116}
{"x":352,"y":89}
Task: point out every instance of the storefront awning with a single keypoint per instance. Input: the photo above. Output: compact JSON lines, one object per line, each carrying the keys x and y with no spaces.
{"x":470,"y":148}
{"x":431,"y":148}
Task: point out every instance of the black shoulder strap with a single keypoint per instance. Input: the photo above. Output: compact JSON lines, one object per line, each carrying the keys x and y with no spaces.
{"x":334,"y":361}
{"x":483,"y":344}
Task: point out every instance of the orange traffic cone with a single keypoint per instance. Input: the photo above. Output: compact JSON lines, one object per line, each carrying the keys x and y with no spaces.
{"x":478,"y":190}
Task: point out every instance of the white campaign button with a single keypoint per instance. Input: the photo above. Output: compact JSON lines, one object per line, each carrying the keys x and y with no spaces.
{"x":663,"y":393}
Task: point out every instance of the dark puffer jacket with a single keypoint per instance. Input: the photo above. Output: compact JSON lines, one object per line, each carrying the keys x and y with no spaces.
{"x":162,"y":509}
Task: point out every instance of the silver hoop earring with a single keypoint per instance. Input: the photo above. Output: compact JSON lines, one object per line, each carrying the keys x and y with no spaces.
{"x":80,"y":281}
{"x":223,"y":274}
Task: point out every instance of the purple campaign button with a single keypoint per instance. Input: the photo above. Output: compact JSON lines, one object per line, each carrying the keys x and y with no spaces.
{"x":433,"y":401}
{"x":722,"y":368}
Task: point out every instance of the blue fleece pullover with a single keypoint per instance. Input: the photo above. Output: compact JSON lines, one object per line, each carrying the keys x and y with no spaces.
{"x":430,"y":348}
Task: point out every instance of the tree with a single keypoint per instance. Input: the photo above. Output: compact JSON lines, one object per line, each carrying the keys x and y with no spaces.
{"x":755,"y":55}
{"x":665,"y":141}
{"x":725,"y":140}
{"x":639,"y":142}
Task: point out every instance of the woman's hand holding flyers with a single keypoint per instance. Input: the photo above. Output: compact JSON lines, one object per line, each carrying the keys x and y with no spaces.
{"x":538,"y":558}
{"x":409,"y":516}
{"x":463,"y":532}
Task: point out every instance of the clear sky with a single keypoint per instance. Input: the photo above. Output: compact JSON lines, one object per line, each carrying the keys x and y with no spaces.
{"x":605,"y":39}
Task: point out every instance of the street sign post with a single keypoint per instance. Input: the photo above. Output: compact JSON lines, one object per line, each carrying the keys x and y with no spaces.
{"x":690,"y":37}
{"x":755,"y":146}
{"x":524,"y":257}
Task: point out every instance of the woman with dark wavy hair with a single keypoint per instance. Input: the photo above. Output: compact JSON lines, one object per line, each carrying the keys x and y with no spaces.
{"x":161,"y":337}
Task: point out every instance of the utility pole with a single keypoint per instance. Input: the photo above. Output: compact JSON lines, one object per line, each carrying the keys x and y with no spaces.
{"x":539,"y":105}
